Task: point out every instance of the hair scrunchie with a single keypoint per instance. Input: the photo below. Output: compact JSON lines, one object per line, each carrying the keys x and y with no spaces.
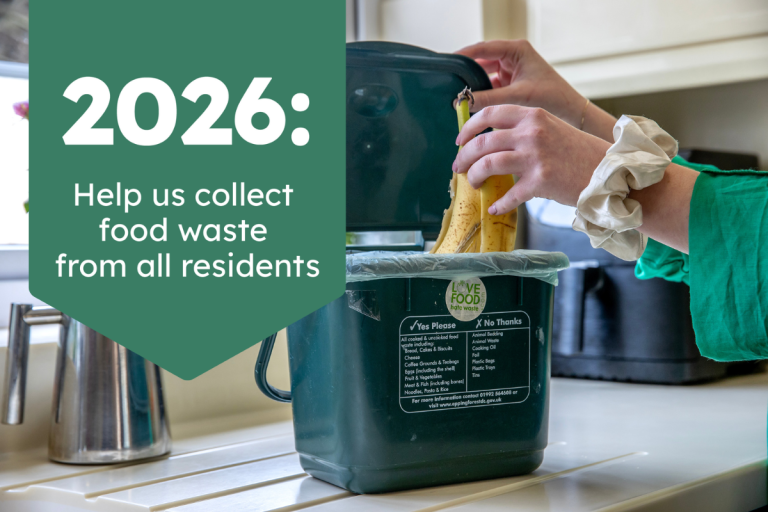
{"x":637,"y":160}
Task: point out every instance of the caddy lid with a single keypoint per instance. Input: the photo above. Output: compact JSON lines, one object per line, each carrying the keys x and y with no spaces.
{"x":401,"y":132}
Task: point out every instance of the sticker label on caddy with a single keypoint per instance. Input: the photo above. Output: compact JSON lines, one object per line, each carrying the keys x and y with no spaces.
{"x":448,"y":364}
{"x":465,"y":298}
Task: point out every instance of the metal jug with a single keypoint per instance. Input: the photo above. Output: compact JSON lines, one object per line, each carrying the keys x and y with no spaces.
{"x":107,"y":401}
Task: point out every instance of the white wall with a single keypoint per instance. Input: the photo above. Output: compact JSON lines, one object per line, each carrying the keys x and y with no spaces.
{"x":726,"y":117}
{"x":351,"y":23}
{"x":440,"y":25}
{"x":443,"y":25}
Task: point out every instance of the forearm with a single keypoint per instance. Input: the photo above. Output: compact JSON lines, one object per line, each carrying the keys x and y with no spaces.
{"x":666,"y":207}
{"x":598,"y":122}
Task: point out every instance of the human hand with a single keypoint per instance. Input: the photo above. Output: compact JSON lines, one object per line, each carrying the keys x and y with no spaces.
{"x":553,"y":159}
{"x":520,"y":76}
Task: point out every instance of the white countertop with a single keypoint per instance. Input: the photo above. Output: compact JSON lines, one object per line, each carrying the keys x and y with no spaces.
{"x":613,"y":447}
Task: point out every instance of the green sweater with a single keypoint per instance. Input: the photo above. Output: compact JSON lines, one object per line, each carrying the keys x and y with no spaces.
{"x":727,"y":265}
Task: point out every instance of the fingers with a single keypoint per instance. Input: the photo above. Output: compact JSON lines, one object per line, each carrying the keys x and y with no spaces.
{"x":504,"y":162}
{"x":517,"y":195}
{"x":497,"y":57}
{"x":490,"y":66}
{"x":494,"y":50}
{"x":482,"y":145}
{"x":505,"y":76}
{"x":499,"y":117}
{"x":490,"y":97}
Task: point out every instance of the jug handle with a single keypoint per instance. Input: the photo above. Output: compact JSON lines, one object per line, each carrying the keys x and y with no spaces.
{"x":260,"y":372}
{"x":15,"y":388}
{"x":14,"y":392}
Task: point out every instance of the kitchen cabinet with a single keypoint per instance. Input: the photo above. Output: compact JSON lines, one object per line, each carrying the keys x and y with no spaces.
{"x":620,"y":47}
{"x":612,"y":447}
{"x":565,"y":31}
{"x":605,"y":48}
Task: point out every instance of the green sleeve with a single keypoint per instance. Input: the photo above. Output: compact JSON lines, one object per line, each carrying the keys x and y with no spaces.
{"x":727,"y":268}
{"x":728,"y":247}
{"x":658,"y":260}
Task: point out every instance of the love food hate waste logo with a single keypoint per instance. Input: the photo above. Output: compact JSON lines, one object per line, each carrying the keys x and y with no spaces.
{"x":188,"y":188}
{"x":465,"y":298}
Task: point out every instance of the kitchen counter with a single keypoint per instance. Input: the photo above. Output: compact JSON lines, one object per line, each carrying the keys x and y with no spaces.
{"x":613,"y":447}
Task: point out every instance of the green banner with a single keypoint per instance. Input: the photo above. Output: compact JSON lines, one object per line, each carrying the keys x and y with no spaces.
{"x":187,"y":170}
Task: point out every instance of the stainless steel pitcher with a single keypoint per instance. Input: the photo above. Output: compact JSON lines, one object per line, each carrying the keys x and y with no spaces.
{"x":107,"y":401}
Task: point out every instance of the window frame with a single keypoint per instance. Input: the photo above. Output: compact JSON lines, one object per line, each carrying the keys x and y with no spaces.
{"x":14,"y":69}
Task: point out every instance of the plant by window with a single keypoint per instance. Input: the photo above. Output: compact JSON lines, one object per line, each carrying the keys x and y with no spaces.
{"x":22,"y":109}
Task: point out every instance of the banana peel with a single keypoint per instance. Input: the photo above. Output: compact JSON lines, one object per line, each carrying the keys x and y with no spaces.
{"x":498,"y":231}
{"x":461,"y":221}
{"x":467,"y":226}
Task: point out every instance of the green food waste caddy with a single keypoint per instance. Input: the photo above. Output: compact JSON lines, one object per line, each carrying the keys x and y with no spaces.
{"x":430,"y":369}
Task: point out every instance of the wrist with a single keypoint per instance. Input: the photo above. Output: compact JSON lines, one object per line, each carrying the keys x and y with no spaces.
{"x":589,"y":160}
{"x":639,"y":159}
{"x":598,"y":122}
{"x":666,"y":207}
{"x":573,"y":109}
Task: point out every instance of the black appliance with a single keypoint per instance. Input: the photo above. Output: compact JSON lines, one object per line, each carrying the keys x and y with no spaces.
{"x":610,"y":325}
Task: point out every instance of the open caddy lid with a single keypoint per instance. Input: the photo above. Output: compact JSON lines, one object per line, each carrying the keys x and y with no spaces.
{"x":401,"y":128}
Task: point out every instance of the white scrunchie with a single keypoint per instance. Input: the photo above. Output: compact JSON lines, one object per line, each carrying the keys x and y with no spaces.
{"x":637,"y":160}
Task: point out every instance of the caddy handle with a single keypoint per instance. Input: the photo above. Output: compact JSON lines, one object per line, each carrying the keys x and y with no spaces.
{"x":260,"y":372}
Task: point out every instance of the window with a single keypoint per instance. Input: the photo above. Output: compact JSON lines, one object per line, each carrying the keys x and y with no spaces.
{"x":14,"y":160}
{"x":14,"y":131}
{"x":14,"y":157}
